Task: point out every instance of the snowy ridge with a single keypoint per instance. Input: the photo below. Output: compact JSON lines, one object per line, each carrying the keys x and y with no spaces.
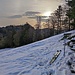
{"x":33,"y":59}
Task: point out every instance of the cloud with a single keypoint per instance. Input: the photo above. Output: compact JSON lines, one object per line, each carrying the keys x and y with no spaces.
{"x":32,"y":17}
{"x":35,"y":15}
{"x":29,"y":14}
{"x":15,"y":16}
{"x":32,"y":13}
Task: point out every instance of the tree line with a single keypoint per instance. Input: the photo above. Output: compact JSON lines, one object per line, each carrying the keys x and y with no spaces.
{"x":14,"y":36}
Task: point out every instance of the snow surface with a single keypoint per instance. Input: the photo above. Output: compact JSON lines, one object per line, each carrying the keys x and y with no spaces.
{"x":33,"y":59}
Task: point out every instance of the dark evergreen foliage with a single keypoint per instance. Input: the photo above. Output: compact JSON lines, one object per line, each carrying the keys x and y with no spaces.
{"x":71,"y":12}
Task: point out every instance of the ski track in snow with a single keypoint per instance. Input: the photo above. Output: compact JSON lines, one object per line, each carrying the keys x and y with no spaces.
{"x":32,"y":59}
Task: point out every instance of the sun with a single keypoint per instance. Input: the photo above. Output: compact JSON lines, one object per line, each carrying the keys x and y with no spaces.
{"x":48,"y":13}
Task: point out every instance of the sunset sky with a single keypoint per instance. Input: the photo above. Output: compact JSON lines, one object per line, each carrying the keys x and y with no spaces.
{"x":12,"y":12}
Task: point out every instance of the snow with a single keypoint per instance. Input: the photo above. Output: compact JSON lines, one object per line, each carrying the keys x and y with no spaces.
{"x":33,"y":59}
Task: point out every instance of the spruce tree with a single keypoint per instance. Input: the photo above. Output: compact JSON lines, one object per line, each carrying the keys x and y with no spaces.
{"x":71,"y":12}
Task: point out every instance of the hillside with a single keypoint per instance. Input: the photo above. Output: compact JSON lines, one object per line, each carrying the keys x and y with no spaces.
{"x":34,"y":59}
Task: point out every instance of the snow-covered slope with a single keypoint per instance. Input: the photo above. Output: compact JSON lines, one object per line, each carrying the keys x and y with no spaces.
{"x":34,"y":59}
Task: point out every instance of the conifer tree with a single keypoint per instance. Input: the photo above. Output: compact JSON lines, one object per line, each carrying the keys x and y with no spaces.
{"x":71,"y":12}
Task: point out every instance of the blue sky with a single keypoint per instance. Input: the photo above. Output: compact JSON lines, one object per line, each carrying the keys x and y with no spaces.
{"x":12,"y":11}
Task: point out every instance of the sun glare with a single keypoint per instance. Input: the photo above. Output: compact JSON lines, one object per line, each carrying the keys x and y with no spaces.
{"x":47,"y":13}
